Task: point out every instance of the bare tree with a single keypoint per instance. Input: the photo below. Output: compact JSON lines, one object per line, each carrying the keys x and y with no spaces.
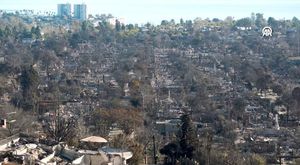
{"x":60,"y":127}
{"x":17,"y":120}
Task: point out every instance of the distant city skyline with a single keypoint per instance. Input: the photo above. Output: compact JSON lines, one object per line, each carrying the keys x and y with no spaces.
{"x":154,"y":11}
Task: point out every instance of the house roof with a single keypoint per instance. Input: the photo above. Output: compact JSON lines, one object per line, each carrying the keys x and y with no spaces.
{"x":94,"y":139}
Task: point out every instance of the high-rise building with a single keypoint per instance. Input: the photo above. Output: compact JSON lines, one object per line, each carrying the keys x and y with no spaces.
{"x":64,"y":10}
{"x":80,"y":11}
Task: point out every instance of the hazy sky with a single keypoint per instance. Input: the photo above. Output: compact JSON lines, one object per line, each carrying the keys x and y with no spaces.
{"x":143,"y":11}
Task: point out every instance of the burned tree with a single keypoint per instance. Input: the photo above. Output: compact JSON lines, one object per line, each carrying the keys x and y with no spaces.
{"x":60,"y":127}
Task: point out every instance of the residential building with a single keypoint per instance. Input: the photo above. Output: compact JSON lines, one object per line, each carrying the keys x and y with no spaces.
{"x":80,"y":11}
{"x":64,"y":10}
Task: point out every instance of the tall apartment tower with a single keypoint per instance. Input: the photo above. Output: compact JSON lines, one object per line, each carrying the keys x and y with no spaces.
{"x":80,"y":11}
{"x":64,"y":10}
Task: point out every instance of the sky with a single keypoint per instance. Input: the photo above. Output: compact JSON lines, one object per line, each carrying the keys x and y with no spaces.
{"x":153,"y":11}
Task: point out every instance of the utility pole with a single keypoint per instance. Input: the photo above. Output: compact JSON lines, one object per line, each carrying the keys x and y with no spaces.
{"x":208,"y":147}
{"x":298,"y":36}
{"x":279,"y":153}
{"x":145,"y":151}
{"x":154,"y":151}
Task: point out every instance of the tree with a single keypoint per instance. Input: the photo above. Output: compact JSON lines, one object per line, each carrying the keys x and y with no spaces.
{"x":123,"y":27}
{"x":273,"y":23}
{"x":58,"y":43}
{"x":7,"y":31}
{"x":216,"y":20}
{"x":36,"y":32}
{"x":181,"y":22}
{"x":60,"y":128}
{"x":17,"y":120}
{"x":29,"y":83}
{"x":135,"y":92}
{"x":263,"y":82}
{"x":295,"y":22}
{"x":260,"y":21}
{"x":189,"y":25}
{"x":296,"y":95}
{"x":130,"y":27}
{"x":48,"y":58}
{"x":277,"y":88}
{"x":228,"y":21}
{"x":164,"y":23}
{"x":172,"y":151}
{"x":238,"y":107}
{"x":26,"y":34}
{"x":244,"y":22}
{"x":127,"y":120}
{"x":1,"y":33}
{"x":86,"y":26}
{"x":183,"y":149}
{"x":188,"y":137}
{"x":118,"y":26}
